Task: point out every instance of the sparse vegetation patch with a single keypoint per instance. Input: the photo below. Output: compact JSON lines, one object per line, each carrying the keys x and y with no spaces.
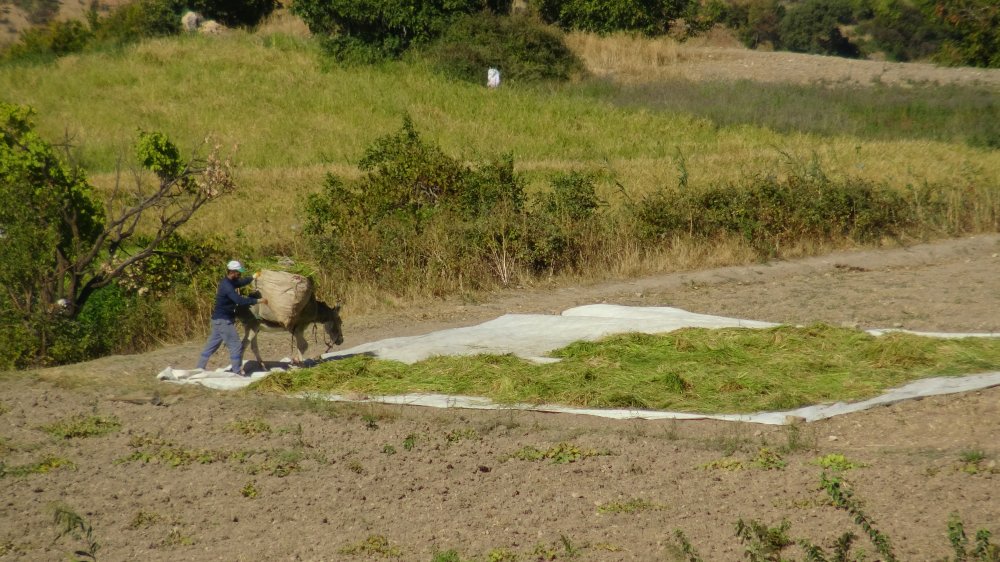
{"x":81,"y":426}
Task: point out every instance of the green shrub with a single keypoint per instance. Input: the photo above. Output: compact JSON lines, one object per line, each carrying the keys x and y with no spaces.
{"x":139,"y":20}
{"x":567,"y":222}
{"x":48,"y":42}
{"x":650,"y":17}
{"x":758,"y":22}
{"x":416,"y":209}
{"x":418,"y":217}
{"x":520,"y":47}
{"x":814,"y":27}
{"x":770,"y":212}
{"x":903,"y":32}
{"x":973,"y":32}
{"x":364,"y":31}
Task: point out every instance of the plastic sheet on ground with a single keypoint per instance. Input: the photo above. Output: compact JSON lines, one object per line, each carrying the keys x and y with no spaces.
{"x":532,"y":336}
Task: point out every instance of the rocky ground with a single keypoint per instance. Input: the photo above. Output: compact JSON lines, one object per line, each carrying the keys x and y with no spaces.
{"x":189,"y":473}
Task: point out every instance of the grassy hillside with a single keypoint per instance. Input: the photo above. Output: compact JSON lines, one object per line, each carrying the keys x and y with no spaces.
{"x":295,"y":120}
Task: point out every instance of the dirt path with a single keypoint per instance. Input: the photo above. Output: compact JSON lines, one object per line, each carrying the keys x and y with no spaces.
{"x":213,"y":476}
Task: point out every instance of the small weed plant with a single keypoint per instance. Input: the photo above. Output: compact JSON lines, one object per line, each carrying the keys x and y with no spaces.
{"x":561,"y":453}
{"x":373,"y":545}
{"x":837,"y":462}
{"x":44,"y":466}
{"x":981,"y":551}
{"x":409,"y":442}
{"x":251,"y":427}
{"x":763,"y":543}
{"x":974,"y":461}
{"x":456,"y":435}
{"x":144,"y":519}
{"x":629,"y":506}
{"x":153,"y":449}
{"x":249,"y":490}
{"x":70,"y":523}
{"x":81,"y":426}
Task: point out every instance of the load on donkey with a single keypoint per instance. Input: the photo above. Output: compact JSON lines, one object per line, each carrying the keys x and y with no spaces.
{"x":292,"y":307}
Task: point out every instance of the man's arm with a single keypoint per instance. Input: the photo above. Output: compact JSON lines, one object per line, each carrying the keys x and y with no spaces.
{"x":236,"y":298}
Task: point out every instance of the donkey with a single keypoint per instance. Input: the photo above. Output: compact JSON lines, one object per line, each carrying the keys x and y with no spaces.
{"x":315,"y":311}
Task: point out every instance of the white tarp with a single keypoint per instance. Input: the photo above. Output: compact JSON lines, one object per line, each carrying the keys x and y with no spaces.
{"x":531,"y":336}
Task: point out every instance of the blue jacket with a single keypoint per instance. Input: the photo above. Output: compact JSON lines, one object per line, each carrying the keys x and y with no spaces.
{"x":227,"y":299}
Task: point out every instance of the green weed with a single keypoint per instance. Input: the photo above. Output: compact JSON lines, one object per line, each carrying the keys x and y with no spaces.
{"x":44,"y":466}
{"x":766,"y":544}
{"x":72,"y":524}
{"x":974,"y":461}
{"x":81,"y":426}
{"x":837,"y":462}
{"x":251,"y":427}
{"x":630,"y":506}
{"x":798,"y":439}
{"x":249,"y":490}
{"x":374,"y":545}
{"x":456,"y":435}
{"x":982,"y":551}
{"x":501,"y":555}
{"x":447,"y":556}
{"x":153,"y":449}
{"x":558,"y":454}
{"x":763,"y":543}
{"x":176,"y":538}
{"x":144,"y":519}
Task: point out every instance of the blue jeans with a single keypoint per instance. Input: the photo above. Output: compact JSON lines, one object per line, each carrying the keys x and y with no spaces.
{"x":223,"y":331}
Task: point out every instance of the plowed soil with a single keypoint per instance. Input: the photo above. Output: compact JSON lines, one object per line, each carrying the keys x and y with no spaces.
{"x":194,"y":474}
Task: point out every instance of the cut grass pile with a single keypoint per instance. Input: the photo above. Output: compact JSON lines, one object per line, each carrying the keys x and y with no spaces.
{"x":699,"y":370}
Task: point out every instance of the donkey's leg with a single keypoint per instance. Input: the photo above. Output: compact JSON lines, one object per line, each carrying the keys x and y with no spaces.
{"x":300,"y":342}
{"x":250,"y":334}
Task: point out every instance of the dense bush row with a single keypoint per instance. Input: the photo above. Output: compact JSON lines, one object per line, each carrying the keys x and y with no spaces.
{"x":465,"y":34}
{"x":960,"y":32}
{"x":418,"y":216}
{"x":952,"y":31}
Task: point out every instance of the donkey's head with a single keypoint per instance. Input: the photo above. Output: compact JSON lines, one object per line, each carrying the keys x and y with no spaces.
{"x":332,"y":325}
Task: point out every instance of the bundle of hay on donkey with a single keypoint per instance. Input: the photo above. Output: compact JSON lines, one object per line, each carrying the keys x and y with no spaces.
{"x":292,"y":307}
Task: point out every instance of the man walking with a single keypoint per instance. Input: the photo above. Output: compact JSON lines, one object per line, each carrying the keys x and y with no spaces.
{"x":227,"y":298}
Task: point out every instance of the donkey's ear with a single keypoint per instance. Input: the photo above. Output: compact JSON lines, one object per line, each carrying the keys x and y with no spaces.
{"x":336,"y":307}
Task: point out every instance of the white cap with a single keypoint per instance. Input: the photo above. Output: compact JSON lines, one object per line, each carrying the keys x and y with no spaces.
{"x":235,"y":266}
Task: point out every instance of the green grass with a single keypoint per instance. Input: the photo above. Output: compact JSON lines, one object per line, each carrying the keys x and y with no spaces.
{"x":290,"y":116}
{"x":44,"y":466}
{"x":952,"y":113}
{"x":691,"y":370}
{"x":81,"y":426}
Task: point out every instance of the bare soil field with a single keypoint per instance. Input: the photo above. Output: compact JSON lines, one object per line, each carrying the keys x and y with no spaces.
{"x":194,"y":474}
